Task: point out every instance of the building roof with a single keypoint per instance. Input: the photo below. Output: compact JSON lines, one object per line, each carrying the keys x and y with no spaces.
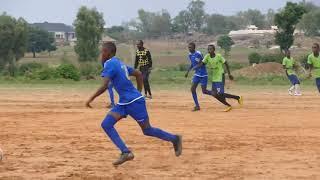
{"x":53,"y":27}
{"x":107,"y":38}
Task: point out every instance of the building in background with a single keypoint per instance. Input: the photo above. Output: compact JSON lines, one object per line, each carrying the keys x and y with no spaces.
{"x":63,"y":33}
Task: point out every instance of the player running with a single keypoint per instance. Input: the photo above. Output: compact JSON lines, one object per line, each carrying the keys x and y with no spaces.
{"x":289,"y":64}
{"x":314,"y":64}
{"x":200,"y":75}
{"x":131,"y":103}
{"x":215,"y":62}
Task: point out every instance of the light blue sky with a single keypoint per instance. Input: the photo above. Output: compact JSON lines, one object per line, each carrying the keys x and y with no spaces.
{"x":117,"y":11}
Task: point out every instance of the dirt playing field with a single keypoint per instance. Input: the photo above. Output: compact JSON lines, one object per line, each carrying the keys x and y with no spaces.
{"x":47,"y":133}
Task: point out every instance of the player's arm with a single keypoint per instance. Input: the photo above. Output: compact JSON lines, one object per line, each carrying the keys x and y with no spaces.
{"x":228,"y":70}
{"x":198,"y":65}
{"x":138,"y":75}
{"x":136,"y":62}
{"x":189,"y":69}
{"x":310,"y":67}
{"x":100,"y":91}
{"x":150,"y":59}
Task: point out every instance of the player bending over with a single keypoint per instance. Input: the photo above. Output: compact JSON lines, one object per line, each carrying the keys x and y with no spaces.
{"x":200,"y":74}
{"x":215,"y":62}
{"x":131,"y":103}
{"x":288,"y":64}
{"x":314,"y":64}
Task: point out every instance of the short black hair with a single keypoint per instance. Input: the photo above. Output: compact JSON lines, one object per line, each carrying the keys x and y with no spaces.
{"x":192,"y":44}
{"x":317,"y":44}
{"x":213,"y":46}
{"x":110,"y":46}
{"x":140,"y":42}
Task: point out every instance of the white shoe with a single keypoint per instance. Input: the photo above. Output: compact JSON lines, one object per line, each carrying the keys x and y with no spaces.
{"x":297,"y":94}
{"x":290,"y":92}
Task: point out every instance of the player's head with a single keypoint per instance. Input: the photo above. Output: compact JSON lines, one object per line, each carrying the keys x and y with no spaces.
{"x":140,"y":44}
{"x":192,"y":47}
{"x":315,"y":48}
{"x":108,"y":50}
{"x":211,"y":49}
{"x":287,"y":53}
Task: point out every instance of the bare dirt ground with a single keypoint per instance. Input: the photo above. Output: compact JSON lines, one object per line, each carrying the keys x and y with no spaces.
{"x":49,"y":134}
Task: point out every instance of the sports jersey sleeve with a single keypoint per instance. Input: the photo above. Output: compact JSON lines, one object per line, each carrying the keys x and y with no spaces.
{"x":284,"y":62}
{"x":199,"y":56}
{"x":309,"y":59}
{"x":108,"y":71}
{"x":205,"y":59}
{"x":130,"y":70}
{"x":222,"y":59}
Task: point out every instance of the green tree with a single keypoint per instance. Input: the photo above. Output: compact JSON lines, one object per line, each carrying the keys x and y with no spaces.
{"x":13,"y":38}
{"x":225,"y":42}
{"x":89,"y":27}
{"x":40,"y":40}
{"x":286,"y":20}
{"x":310,"y":23}
{"x":198,"y":14}
{"x":253,"y":17}
{"x":182,"y":22}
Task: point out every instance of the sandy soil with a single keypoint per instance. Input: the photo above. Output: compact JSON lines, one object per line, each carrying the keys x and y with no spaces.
{"x":48,"y":134}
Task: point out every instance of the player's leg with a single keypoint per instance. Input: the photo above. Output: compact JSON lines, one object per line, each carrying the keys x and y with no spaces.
{"x":108,"y":124}
{"x":148,"y":84}
{"x":293,"y":81}
{"x":204,"y":84}
{"x":219,"y":95}
{"x":195,"y":82}
{"x":296,"y":82}
{"x":144,"y":82}
{"x":318,"y":84}
{"x":111,"y":94}
{"x":138,"y":111}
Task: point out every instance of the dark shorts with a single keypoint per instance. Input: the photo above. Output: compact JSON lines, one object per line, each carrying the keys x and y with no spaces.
{"x":218,"y":87}
{"x":137,"y":110}
{"x":318,"y":83}
{"x":200,"y":80}
{"x":293,"y":79}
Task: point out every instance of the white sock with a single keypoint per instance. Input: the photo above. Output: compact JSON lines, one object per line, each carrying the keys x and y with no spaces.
{"x":291,"y":88}
{"x":297,"y":89}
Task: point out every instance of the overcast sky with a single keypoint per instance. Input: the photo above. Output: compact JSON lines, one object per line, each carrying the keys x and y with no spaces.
{"x":117,"y":11}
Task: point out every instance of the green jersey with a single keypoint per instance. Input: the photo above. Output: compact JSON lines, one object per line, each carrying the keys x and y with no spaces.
{"x":215,"y":66}
{"x":315,"y":62}
{"x":288,"y":63}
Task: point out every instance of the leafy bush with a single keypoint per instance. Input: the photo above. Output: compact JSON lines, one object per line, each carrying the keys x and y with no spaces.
{"x":90,"y":70}
{"x":254,"y":58}
{"x":68,"y":71}
{"x":29,"y":67}
{"x":45,"y":74}
{"x":272,"y":58}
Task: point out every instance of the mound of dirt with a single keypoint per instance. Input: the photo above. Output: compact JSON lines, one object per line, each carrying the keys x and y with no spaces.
{"x":258,"y":70}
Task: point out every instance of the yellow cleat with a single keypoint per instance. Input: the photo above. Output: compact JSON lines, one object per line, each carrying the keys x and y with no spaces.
{"x":240,"y":101}
{"x":229,"y":108}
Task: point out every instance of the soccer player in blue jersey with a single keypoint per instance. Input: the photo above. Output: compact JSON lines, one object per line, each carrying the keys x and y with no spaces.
{"x":131,"y":103}
{"x":200,"y":75}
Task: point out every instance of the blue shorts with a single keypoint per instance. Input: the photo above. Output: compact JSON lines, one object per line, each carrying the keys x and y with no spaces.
{"x":218,"y":87}
{"x":293,"y":79}
{"x":202,"y":80}
{"x":137,"y":110}
{"x":318,"y":83}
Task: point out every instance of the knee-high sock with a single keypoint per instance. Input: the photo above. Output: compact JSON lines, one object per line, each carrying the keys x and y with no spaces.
{"x":155,"y":132}
{"x":231,"y":96}
{"x":111,"y":95}
{"x":297,"y":89}
{"x":222,"y":99}
{"x":108,"y":126}
{"x":195,"y":99}
{"x":291,"y":88}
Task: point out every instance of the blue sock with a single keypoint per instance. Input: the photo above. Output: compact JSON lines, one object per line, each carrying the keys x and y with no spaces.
{"x":108,"y":126}
{"x":155,"y":132}
{"x":111,"y":95}
{"x":195,"y":99}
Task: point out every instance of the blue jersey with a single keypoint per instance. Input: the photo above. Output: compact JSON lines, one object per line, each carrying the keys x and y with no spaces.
{"x":195,"y":58}
{"x":119,"y":73}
